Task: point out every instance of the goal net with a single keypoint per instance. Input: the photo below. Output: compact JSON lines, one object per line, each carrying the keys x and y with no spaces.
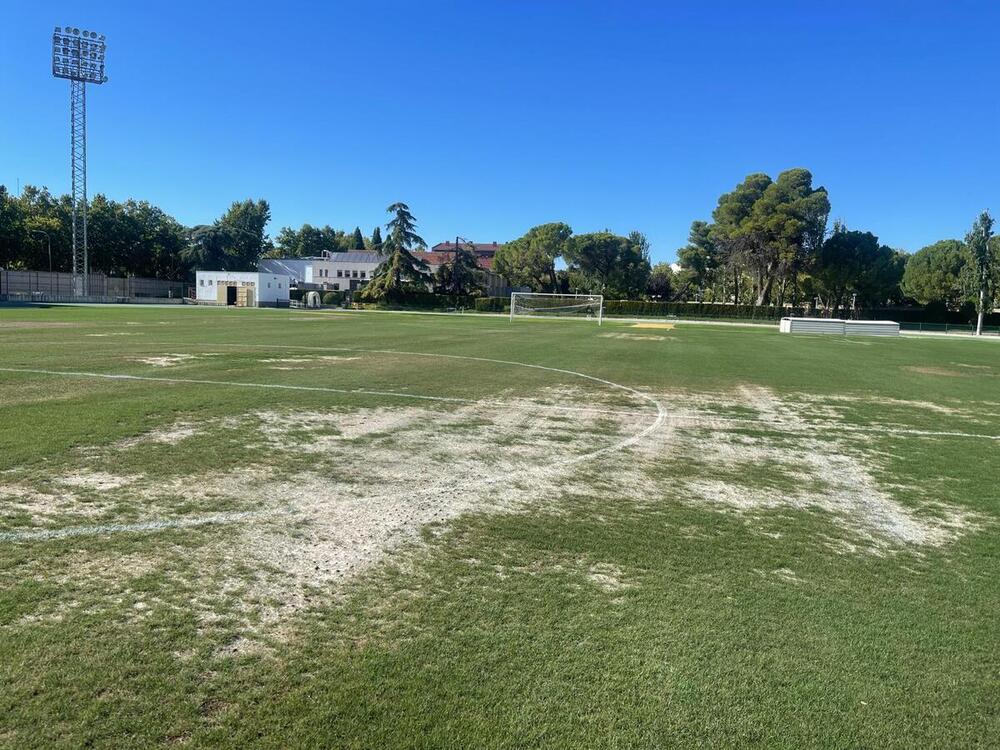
{"x":533,"y":304}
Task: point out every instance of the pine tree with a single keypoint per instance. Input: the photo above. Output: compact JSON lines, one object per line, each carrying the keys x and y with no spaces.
{"x":377,"y":240}
{"x":401,"y":272}
{"x":462,"y":276}
{"x":357,"y":240}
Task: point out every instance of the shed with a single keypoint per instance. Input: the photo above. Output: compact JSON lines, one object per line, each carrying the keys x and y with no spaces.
{"x":241,"y":289}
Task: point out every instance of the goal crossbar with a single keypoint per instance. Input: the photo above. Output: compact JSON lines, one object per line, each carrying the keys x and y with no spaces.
{"x":549,"y":304}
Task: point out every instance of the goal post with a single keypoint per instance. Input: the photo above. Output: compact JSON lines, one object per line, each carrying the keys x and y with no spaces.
{"x":539,"y":305}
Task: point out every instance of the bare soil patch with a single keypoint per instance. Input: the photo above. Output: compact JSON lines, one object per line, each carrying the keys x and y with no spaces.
{"x":940,"y":371}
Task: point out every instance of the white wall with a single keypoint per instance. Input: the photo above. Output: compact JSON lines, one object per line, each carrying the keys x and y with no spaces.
{"x":297,"y":269}
{"x":268,"y":288}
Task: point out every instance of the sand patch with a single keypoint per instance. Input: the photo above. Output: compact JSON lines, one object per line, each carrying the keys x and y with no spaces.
{"x":607,"y":577}
{"x":307,"y":362}
{"x":168,"y":435}
{"x":983,"y":368}
{"x":14,"y":324}
{"x":940,"y":371}
{"x":166,"y":360}
{"x":42,"y":506}
{"x":173,"y":360}
{"x":99,"y":481}
{"x":662,"y":326}
{"x":631,"y":337}
{"x":813,"y":470}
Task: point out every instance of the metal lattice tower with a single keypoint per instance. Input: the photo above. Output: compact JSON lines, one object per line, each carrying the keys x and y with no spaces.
{"x":79,"y":56}
{"x":78,"y":169}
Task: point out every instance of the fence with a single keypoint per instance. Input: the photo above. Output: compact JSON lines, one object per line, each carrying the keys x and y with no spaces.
{"x":967,"y":328}
{"x":52,"y":284}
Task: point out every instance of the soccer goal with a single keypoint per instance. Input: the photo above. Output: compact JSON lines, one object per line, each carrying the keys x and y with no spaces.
{"x":531,"y":304}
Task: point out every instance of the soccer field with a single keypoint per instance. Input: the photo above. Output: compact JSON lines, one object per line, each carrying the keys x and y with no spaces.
{"x":286,"y":528}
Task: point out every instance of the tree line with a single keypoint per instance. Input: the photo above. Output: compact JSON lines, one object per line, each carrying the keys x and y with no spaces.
{"x":137,"y":238}
{"x":768,"y":244}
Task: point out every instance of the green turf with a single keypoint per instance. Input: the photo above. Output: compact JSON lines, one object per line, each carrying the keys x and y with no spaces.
{"x":612,"y":609}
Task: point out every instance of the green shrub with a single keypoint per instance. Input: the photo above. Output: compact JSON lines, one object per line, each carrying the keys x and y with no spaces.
{"x":646,"y":308}
{"x":333,"y":298}
{"x":493,"y":304}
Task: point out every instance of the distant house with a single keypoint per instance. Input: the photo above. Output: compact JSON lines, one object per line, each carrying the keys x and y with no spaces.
{"x":443,"y":252}
{"x":333,"y":271}
{"x":481,"y":249}
{"x":352,"y":270}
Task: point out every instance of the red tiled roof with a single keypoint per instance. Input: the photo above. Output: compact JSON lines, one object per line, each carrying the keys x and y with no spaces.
{"x":435,"y":259}
{"x":481,"y":248}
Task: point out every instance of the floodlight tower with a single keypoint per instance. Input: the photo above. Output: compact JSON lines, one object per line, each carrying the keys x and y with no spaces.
{"x":79,"y":56}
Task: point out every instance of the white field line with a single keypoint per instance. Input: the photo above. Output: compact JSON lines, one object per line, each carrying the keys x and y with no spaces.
{"x":661,"y":415}
{"x":661,"y":412}
{"x":159,"y":525}
{"x":525,"y":405}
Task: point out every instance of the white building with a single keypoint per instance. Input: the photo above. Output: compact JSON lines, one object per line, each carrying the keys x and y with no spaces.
{"x":241,"y":288}
{"x":334,"y":271}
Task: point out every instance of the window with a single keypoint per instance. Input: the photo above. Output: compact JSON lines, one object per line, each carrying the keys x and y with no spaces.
{"x":210,"y":282}
{"x":362,"y":274}
{"x":336,"y":287}
{"x":201,"y":282}
{"x":269,"y":285}
{"x":279,"y":285}
{"x":340,"y":274}
{"x":354,"y":274}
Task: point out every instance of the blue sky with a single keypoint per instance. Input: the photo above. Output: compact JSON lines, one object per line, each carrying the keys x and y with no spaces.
{"x":491,"y":117}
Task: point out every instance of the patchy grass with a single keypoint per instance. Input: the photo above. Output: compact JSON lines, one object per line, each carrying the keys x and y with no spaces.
{"x":279,"y":540}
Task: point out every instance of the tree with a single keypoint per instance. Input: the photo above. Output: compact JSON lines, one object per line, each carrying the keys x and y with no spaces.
{"x":235,"y":242}
{"x":660,"y":284}
{"x":401,"y":272}
{"x":310,"y":242}
{"x":246,"y":220}
{"x":608,"y":264}
{"x":984,"y":265}
{"x":462,"y":276}
{"x":935,"y":274}
{"x":12,"y":230}
{"x":530,"y":260}
{"x":853,"y":264}
{"x":357,"y":240}
{"x":377,"y":240}
{"x":699,"y":261}
{"x":769,"y":229}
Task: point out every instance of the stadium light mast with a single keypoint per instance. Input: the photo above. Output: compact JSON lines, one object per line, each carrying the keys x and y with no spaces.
{"x":78,"y":55}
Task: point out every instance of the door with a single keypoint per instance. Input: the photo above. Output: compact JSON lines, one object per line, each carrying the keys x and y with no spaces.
{"x":230,"y":295}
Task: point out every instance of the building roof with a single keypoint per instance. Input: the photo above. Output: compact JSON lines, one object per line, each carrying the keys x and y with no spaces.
{"x":480,"y":248}
{"x":435,"y":259}
{"x":358,"y":256}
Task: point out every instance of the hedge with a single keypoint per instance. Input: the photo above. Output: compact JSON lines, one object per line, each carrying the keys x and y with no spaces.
{"x":418,"y":301}
{"x":642,"y":308}
{"x":493,"y":304}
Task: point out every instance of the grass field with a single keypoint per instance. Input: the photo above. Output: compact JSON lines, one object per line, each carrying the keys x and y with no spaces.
{"x":297,"y":529}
